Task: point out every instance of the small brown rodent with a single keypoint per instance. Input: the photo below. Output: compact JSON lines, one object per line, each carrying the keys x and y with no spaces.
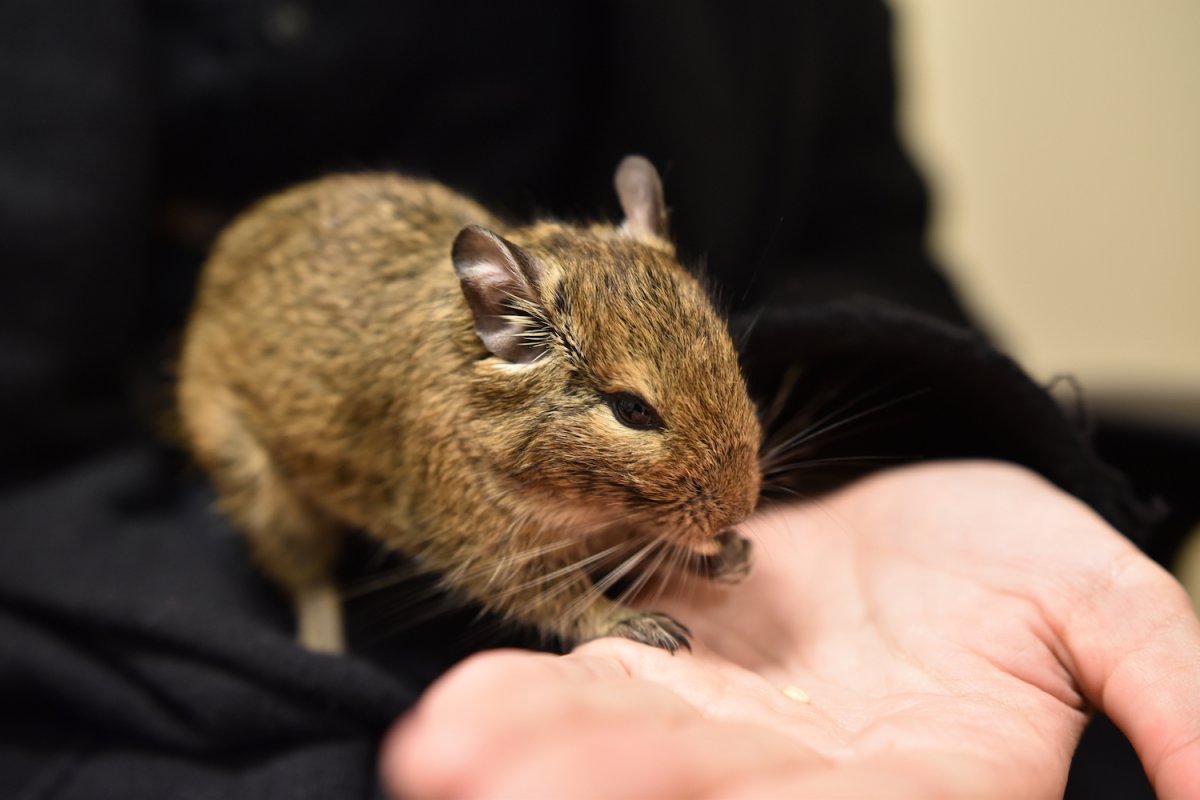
{"x":512,"y":406}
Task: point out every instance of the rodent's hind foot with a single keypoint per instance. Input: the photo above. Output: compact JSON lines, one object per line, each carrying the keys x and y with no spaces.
{"x":655,"y":629}
{"x":731,"y":563}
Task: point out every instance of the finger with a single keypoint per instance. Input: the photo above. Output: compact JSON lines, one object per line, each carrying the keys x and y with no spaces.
{"x":910,"y":777}
{"x":1135,"y":643}
{"x":649,"y":759}
{"x":471,"y":722}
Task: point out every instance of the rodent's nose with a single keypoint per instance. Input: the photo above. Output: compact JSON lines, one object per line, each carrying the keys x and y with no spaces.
{"x":732,"y":497}
{"x":733,"y":511}
{"x":749,"y":503}
{"x":742,"y":508}
{"x":749,"y":485}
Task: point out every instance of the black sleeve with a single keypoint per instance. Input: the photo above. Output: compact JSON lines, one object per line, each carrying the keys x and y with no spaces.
{"x":74,"y":163}
{"x":854,"y":209}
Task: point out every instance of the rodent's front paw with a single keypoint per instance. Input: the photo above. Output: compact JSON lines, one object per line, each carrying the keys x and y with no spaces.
{"x":655,"y":629}
{"x":731,"y":563}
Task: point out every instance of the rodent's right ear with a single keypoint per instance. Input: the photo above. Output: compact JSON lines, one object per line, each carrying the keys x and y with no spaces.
{"x":497,"y":277}
{"x":641,"y":194}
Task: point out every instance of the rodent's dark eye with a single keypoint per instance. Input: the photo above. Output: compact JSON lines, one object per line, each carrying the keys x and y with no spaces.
{"x":633,"y":411}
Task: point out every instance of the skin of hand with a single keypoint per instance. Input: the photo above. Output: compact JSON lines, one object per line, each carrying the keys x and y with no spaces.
{"x":951,"y":624}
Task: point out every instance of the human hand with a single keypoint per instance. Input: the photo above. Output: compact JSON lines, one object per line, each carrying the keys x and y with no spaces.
{"x":951,"y":624}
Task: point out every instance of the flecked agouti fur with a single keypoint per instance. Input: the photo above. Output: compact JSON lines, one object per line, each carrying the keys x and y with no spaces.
{"x":379,"y":352}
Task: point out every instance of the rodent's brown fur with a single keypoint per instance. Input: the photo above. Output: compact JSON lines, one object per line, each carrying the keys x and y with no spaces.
{"x":332,"y":376}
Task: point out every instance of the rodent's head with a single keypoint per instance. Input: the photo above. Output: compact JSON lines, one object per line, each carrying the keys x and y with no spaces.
{"x":612,"y":392}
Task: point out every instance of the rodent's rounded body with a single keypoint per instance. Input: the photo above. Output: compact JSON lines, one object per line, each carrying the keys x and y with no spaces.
{"x":335,"y":374}
{"x":330,"y":320}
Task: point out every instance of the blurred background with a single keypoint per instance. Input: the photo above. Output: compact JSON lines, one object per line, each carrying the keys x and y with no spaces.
{"x":1061,"y":142}
{"x":1062,"y":146}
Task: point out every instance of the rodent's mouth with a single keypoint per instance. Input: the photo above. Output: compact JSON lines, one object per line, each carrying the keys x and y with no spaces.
{"x":693,"y":535}
{"x":709,"y":546}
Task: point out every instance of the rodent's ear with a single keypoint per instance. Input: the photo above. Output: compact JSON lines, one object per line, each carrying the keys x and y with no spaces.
{"x":497,"y":277}
{"x":641,"y":194}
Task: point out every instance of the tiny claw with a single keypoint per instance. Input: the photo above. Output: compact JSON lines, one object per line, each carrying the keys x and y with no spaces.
{"x":655,"y":629}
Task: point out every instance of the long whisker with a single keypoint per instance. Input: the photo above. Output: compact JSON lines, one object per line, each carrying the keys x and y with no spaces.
{"x":672,"y":555}
{"x":646,"y":575}
{"x":796,"y":466}
{"x":635,"y":587}
{"x":745,"y":334}
{"x":597,"y":589}
{"x":471,"y":569}
{"x":626,"y":566}
{"x":566,"y":570}
{"x":399,"y":574}
{"x":782,"y":394}
{"x":810,"y":434}
{"x":439,"y":588}
{"x":788,"y":490}
{"x":835,"y":412}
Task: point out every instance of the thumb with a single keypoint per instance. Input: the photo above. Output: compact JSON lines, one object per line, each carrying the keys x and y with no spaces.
{"x":1135,"y":644}
{"x":494,"y":707}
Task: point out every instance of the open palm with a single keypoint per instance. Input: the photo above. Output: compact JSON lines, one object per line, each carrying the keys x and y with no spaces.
{"x":940,"y":630}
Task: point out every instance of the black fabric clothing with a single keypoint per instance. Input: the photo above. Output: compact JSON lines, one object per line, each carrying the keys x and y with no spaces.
{"x":132,"y":132}
{"x":140,"y":654}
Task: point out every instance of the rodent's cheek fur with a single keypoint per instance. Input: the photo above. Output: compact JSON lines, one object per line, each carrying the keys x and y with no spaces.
{"x":547,"y":430}
{"x":650,"y":479}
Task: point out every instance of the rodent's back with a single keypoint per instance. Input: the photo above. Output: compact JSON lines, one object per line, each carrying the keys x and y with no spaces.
{"x":343,"y":233}
{"x":318,"y":315}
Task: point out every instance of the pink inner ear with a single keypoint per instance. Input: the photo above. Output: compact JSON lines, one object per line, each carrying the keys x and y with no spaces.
{"x":491,"y":272}
{"x":640,"y":192}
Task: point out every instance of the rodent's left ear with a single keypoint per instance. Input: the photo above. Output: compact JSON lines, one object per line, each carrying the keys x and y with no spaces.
{"x":641,"y":194}
{"x":496,"y":276}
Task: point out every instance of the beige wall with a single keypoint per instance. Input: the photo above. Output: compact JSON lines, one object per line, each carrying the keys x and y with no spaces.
{"x":1062,"y":140}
